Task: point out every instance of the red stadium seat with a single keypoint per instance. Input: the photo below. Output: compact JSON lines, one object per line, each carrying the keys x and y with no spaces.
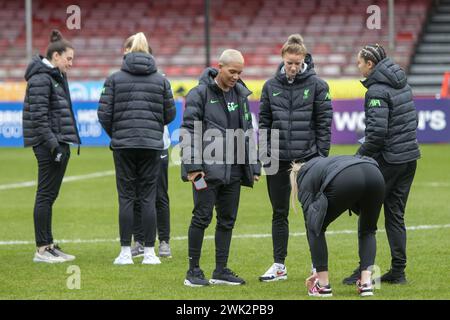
{"x":332,"y":30}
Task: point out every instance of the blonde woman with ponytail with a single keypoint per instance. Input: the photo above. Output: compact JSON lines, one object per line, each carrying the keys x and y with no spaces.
{"x":326,"y":188}
{"x":135,"y":105}
{"x":297,"y":103}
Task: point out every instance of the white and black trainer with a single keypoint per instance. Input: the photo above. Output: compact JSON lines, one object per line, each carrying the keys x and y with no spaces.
{"x":62,"y":254}
{"x":49,"y":255}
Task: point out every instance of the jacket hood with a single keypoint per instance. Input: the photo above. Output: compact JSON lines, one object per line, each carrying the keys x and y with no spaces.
{"x":281,"y":76}
{"x":207,"y":78}
{"x":387,"y":72}
{"x":38,"y":66}
{"x":138,"y":63}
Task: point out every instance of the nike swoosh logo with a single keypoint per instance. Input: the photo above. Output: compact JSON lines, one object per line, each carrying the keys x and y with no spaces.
{"x":214,"y":101}
{"x":162,"y":157}
{"x":276,"y":94}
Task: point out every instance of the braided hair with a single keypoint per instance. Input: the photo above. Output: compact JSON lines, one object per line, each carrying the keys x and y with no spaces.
{"x":373,"y":52}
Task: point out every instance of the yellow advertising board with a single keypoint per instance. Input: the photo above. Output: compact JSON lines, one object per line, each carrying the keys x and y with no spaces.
{"x":339,"y":88}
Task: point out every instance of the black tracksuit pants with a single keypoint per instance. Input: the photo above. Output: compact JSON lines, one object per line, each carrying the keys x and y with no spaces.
{"x":137,"y":172}
{"x":50,"y":176}
{"x":162,"y":206}
{"x":398,"y":178}
{"x":361,"y":188}
{"x":279,"y":188}
{"x":225,"y":198}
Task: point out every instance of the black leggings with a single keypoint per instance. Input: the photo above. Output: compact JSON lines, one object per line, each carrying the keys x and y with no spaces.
{"x":360,"y":188}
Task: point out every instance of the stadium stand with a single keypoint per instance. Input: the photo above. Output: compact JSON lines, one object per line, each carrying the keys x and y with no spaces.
{"x":432,"y":57}
{"x":334,"y":30}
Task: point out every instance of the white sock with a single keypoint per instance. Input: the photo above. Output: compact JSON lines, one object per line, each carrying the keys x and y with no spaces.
{"x":125,"y":251}
{"x":149,"y":251}
{"x":41,"y":250}
{"x":280,"y":265}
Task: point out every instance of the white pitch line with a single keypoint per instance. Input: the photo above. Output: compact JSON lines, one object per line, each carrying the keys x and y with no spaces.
{"x":66,"y":179}
{"x":238,"y":236}
{"x":101,"y":174}
{"x":432,"y":184}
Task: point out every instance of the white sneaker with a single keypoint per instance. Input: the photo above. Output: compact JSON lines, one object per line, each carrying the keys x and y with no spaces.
{"x":276,"y":272}
{"x":48,"y":256}
{"x":123,"y":259}
{"x":151,"y":259}
{"x":62,"y":254}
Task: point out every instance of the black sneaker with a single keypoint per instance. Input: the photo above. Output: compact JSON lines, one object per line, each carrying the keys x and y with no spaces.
{"x":394,"y":277}
{"x":226,"y":276}
{"x":195,"y":278}
{"x":351,"y":280}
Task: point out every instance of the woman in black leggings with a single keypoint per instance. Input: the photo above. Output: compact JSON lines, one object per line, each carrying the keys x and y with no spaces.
{"x":326,"y":188}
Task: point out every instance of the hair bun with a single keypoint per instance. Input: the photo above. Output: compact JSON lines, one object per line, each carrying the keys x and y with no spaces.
{"x":55,"y":36}
{"x":295,"y":38}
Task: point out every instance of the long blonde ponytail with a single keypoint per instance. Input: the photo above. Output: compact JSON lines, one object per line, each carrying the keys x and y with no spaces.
{"x":295,"y":168}
{"x":137,"y":43}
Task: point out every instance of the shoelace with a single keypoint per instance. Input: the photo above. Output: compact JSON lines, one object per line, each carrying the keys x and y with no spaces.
{"x":364,"y":286}
{"x":273,"y":270}
{"x":52,"y":252}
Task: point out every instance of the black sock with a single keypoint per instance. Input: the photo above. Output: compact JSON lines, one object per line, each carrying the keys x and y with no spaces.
{"x":193,"y":263}
{"x":222,"y":240}
{"x":195,"y":241}
{"x":220,"y":266}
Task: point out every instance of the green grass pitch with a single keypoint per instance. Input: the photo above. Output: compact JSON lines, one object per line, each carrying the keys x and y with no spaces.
{"x":88,"y":210}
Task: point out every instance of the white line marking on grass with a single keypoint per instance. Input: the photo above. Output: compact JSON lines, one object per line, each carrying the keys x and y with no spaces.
{"x":66,"y":179}
{"x":433,"y":184}
{"x":238,"y":236}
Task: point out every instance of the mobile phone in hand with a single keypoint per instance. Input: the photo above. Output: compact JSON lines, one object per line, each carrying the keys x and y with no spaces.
{"x":199,"y":182}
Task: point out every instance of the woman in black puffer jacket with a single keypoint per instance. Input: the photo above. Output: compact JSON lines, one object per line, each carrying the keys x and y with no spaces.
{"x":391,"y":139}
{"x":49,"y":127}
{"x":326,"y":188}
{"x":135,"y":104}
{"x":297,"y":104}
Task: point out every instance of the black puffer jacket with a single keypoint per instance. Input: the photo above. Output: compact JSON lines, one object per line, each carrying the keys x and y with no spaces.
{"x":135,"y":104}
{"x":206,"y":104}
{"x":47,"y":111}
{"x":391,"y":117}
{"x":301,"y":111}
{"x":313,"y":178}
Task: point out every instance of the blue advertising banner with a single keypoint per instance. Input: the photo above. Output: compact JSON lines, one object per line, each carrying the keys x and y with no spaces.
{"x":91,"y":132}
{"x":347,"y":127}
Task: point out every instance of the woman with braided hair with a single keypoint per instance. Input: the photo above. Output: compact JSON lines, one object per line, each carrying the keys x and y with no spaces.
{"x":390,"y":139}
